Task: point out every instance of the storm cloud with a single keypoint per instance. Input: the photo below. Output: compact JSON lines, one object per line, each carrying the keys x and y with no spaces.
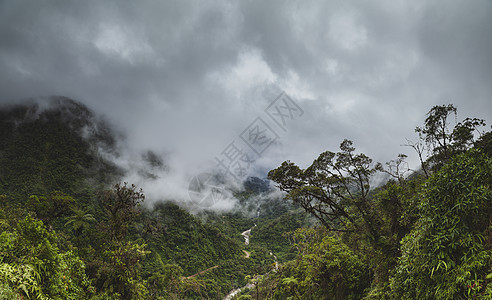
{"x":186,"y":78}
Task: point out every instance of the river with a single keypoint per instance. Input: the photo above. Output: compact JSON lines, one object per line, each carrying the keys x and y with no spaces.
{"x":247,"y":234}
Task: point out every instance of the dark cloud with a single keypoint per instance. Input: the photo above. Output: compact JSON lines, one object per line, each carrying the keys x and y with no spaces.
{"x":185,"y":78}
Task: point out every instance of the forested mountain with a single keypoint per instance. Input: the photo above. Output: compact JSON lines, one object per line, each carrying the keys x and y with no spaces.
{"x":53,"y":144}
{"x":72,"y":230}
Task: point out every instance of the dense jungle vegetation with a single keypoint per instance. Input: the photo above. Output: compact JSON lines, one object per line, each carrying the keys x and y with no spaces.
{"x":70,"y":229}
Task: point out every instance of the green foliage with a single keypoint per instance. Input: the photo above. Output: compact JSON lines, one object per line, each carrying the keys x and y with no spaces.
{"x":325,"y":268}
{"x":412,"y":238}
{"x":121,"y":204}
{"x":167,"y":281}
{"x":19,"y":280}
{"x":120,"y":272}
{"x":184,"y":240}
{"x":463,"y":134}
{"x":80,"y":220}
{"x":442,"y":143}
{"x":435,"y":131}
{"x":33,"y":267}
{"x":484,"y":143}
{"x":446,"y":255}
{"x":274,"y":234}
{"x":50,"y":167}
{"x":395,"y":210}
{"x":175,"y":237}
{"x":334,"y":189}
{"x":54,"y":149}
{"x":56,"y":205}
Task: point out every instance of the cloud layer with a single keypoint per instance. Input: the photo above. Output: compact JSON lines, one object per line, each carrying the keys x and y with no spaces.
{"x":186,"y":78}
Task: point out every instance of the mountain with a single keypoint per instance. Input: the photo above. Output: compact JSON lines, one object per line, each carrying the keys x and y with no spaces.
{"x":53,"y":143}
{"x":57,"y":179}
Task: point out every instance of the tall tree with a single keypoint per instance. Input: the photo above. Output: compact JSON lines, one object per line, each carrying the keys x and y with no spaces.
{"x":119,"y":273}
{"x":121,"y":205}
{"x":439,"y":141}
{"x":435,"y":131}
{"x":334,"y":189}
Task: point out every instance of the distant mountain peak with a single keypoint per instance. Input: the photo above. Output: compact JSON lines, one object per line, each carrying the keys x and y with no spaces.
{"x":256,"y":185}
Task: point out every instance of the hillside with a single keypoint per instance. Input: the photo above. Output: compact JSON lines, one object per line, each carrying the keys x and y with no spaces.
{"x":72,"y":230}
{"x":56,"y":179}
{"x":53,"y":144}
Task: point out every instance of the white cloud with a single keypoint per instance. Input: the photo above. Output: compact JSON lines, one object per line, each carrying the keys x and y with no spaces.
{"x":346,"y":31}
{"x":112,"y":40}
{"x":250,"y":71}
{"x":186,"y":77}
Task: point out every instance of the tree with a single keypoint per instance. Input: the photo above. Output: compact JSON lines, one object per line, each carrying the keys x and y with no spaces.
{"x":396,"y":168}
{"x":167,"y":281}
{"x":119,"y":273}
{"x":448,"y":253}
{"x":33,"y":267}
{"x":463,"y":134}
{"x":439,"y":142}
{"x":56,"y":205}
{"x":484,"y":143}
{"x":435,"y":131}
{"x":325,"y":268}
{"x":80,"y":220}
{"x":334,"y":189}
{"x":121,"y":205}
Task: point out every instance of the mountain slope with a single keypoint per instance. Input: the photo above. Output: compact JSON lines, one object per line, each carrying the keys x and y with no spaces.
{"x":52,"y":144}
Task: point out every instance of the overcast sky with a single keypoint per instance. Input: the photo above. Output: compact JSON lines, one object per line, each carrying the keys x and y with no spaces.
{"x":187,"y":78}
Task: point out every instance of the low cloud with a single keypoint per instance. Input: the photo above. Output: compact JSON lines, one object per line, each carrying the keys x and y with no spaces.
{"x":185,"y":78}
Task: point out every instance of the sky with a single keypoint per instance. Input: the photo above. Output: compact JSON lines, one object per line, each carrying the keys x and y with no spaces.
{"x":193,"y":80}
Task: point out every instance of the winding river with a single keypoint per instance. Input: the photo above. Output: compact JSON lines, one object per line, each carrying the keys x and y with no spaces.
{"x":247,"y":234}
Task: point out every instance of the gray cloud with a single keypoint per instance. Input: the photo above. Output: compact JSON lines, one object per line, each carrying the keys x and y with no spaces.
{"x":185,"y":78}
